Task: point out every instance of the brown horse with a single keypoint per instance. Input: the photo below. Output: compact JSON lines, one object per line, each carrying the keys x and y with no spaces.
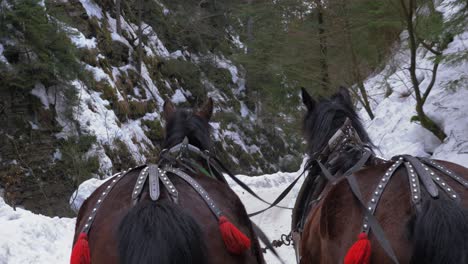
{"x":421,"y":216}
{"x":171,"y":230}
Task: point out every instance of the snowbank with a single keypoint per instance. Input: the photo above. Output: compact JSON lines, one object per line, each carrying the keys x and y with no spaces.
{"x":30,"y":238}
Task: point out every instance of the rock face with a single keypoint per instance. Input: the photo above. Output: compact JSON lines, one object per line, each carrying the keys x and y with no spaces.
{"x":96,"y":109}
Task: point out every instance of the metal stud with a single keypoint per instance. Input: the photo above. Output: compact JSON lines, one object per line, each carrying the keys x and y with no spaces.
{"x":415,"y":190}
{"x":380,"y":186}
{"x":437,"y":179}
{"x":376,"y":193}
{"x":104,"y":193}
{"x":86,"y":225}
{"x":443,"y":184}
{"x":99,"y":200}
{"x":136,"y":192}
{"x":414,"y":185}
{"x":448,"y":189}
{"x":454,"y":196}
{"x":413,"y":180}
{"x":373,"y":200}
{"x":365,"y":226}
{"x":415,"y":197}
{"x":370,"y":208}
{"x":94,"y":209}
{"x":90,"y":218}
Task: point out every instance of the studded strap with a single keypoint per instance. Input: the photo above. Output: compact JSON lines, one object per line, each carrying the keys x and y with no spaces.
{"x":446,"y":171}
{"x":442,"y":184}
{"x":174,"y":194}
{"x":116,"y":178}
{"x":415,"y":186}
{"x":139,"y":185}
{"x":377,"y":194}
{"x":198,"y":188}
{"x":153,"y":181}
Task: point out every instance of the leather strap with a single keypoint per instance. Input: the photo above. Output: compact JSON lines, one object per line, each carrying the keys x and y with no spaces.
{"x":378,"y":192}
{"x":446,"y":171}
{"x":154,"y":175}
{"x":424,"y":176}
{"x":198,"y":188}
{"x":415,"y":187}
{"x":140,"y":182}
{"x":374,"y":224}
{"x":265,"y":240}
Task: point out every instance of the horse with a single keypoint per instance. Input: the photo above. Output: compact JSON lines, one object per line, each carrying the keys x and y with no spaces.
{"x":184,"y":213}
{"x":403,"y":210}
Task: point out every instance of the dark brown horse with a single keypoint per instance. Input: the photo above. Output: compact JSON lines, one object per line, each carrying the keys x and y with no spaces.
{"x":164,"y":231}
{"x":417,"y":225}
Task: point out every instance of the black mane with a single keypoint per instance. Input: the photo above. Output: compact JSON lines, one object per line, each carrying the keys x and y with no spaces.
{"x":184,"y":123}
{"x":325,"y":118}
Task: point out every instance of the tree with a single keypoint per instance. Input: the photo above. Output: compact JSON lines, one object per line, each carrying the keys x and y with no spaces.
{"x":420,"y":30}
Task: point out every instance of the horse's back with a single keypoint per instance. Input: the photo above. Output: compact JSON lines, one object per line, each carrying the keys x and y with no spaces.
{"x":103,"y":235}
{"x":334,"y":224}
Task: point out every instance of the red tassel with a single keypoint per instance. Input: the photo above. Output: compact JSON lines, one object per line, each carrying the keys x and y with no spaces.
{"x":235,"y":241}
{"x":360,"y":252}
{"x":80,"y":253}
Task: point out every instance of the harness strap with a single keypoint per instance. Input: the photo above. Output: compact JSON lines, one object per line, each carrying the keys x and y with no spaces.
{"x":378,"y":192}
{"x":153,"y":181}
{"x":279,"y":198}
{"x":265,"y":240}
{"x":247,"y":188}
{"x":446,"y":171}
{"x":424,"y":176}
{"x":415,"y":186}
{"x":374,"y":224}
{"x":116,"y":178}
{"x":198,"y":188}
{"x":139,"y":185}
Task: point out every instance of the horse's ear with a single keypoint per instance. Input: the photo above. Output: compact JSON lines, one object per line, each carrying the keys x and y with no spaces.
{"x":168,"y":110}
{"x":308,"y":101}
{"x":343,"y":95}
{"x":206,"y":111}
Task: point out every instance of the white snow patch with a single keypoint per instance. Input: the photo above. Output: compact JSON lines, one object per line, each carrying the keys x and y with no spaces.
{"x":40,"y":92}
{"x":92,"y":9}
{"x":178,"y":97}
{"x":31,"y":238}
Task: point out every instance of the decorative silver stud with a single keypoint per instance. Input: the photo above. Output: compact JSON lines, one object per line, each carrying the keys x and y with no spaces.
{"x":365,"y":226}
{"x":454,"y":196}
{"x":376,"y":193}
{"x":413,"y":180}
{"x":99,"y":200}
{"x":370,"y":208}
{"x":94,"y":209}
{"x":136,"y":192}
{"x":90,"y":218}
{"x":380,"y":186}
{"x":415,"y":197}
{"x":373,"y":200}
{"x":448,"y":189}
{"x":437,"y":179}
{"x":86,"y":225}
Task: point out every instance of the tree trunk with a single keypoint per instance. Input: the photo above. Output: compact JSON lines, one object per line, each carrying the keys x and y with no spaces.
{"x":117,"y":17}
{"x":424,"y":120}
{"x":355,"y":67}
{"x":323,"y":46}
{"x":140,"y":36}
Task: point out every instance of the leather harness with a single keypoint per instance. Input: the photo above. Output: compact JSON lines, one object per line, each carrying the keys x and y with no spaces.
{"x":156,"y":174}
{"x":419,"y":170}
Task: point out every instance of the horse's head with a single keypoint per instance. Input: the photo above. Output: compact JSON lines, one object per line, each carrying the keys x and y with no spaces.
{"x":325,"y":116}
{"x":181,"y":123}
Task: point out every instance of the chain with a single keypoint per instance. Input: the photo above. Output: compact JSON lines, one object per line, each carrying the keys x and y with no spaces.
{"x":284,"y":240}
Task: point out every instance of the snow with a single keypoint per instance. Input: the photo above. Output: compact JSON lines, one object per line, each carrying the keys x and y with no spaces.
{"x":27,"y":238}
{"x":446,"y":106}
{"x":40,"y":92}
{"x":178,"y":97}
{"x":80,"y":40}
{"x":2,"y":58}
{"x":92,"y":9}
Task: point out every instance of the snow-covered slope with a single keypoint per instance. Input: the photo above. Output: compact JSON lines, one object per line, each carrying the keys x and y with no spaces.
{"x":27,"y":238}
{"x":393,"y":132}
